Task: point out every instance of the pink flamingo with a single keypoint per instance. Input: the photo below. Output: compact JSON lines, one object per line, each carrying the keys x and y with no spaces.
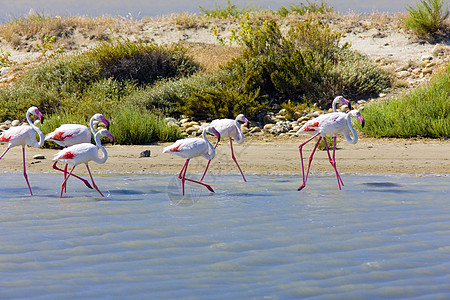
{"x":330,"y":124}
{"x":24,"y":135}
{"x":229,"y":128}
{"x":193,"y":147}
{"x":84,"y":153}
{"x":340,"y":100}
{"x":68,"y":135}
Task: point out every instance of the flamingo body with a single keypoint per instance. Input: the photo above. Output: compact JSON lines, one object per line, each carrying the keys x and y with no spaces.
{"x":24,"y":135}
{"x":190,"y":148}
{"x":229,"y":128}
{"x":84,"y":153}
{"x":332,"y":124}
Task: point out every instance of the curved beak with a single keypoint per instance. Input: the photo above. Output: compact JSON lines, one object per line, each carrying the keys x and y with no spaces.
{"x":40,"y":116}
{"x":105,"y":121}
{"x":361,"y":120}
{"x":216,"y":133}
{"x":110,"y":136}
{"x":245,"y":120}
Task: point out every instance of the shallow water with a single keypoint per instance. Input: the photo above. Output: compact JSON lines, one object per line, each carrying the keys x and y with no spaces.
{"x":380,"y":237}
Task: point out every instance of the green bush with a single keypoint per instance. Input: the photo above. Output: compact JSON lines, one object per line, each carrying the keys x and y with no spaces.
{"x":230,"y":10}
{"x":132,"y":126}
{"x":302,"y":9}
{"x":427,"y":17}
{"x":424,"y":112}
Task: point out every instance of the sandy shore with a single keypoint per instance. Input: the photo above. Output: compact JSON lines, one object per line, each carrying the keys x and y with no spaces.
{"x":267,"y":155}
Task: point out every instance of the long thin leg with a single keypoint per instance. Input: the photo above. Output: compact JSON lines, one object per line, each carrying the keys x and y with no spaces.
{"x":92,"y":178}
{"x":301,"y":159}
{"x":234,"y":158}
{"x":25,"y":170}
{"x":209,"y":161}
{"x":4,"y":152}
{"x":334,"y":160}
{"x":65,"y":181}
{"x":332,"y":163}
{"x":65,"y":173}
{"x":183,"y":178}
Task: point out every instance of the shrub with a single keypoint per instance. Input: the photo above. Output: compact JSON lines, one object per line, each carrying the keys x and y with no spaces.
{"x":424,"y":112}
{"x":427,"y":17}
{"x":142,"y":63}
{"x":302,"y":9}
{"x":230,"y":10}
{"x":133,"y":126}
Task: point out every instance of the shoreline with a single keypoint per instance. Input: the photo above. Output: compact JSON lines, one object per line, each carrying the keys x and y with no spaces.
{"x":263,"y":155}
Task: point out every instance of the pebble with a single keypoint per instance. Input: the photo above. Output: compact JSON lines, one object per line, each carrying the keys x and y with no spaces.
{"x":38,"y":156}
{"x":15,"y":123}
{"x":145,"y":153}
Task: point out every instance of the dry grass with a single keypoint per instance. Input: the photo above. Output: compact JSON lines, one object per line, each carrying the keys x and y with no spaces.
{"x":210,"y":56}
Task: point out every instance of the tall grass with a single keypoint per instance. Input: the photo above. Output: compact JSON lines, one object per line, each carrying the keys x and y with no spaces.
{"x":424,"y":112}
{"x":132,"y":126}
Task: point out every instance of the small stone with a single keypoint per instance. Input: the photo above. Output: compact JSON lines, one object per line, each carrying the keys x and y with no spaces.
{"x":191,"y":130}
{"x":437,"y":49}
{"x":427,"y":71}
{"x":403,"y":74}
{"x":426,"y":57}
{"x":37,"y":122}
{"x":38,"y":156}
{"x":244,"y":129}
{"x":255,"y":129}
{"x":15,"y":123}
{"x":268,"y":126}
{"x":145,"y":153}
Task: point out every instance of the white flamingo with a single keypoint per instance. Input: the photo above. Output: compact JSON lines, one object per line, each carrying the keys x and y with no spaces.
{"x":68,"y":135}
{"x":84,"y":153}
{"x":340,"y":100}
{"x":24,"y":135}
{"x":190,"y":148}
{"x":229,"y":128}
{"x":331,"y":124}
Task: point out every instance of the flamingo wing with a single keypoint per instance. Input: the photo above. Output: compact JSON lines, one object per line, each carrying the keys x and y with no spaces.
{"x":187,"y":148}
{"x":76,"y":154}
{"x":19,"y":135}
{"x":69,"y":134}
{"x":226,"y":128}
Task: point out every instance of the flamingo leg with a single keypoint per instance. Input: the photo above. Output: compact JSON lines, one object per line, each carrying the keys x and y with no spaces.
{"x":4,"y":152}
{"x":304,"y":178}
{"x":332,"y":162}
{"x":65,"y":175}
{"x":209,"y":161}
{"x":234,"y":158}
{"x":334,"y":159}
{"x":92,"y":179}
{"x":25,"y":170}
{"x":65,"y":181}
{"x":183,"y":178}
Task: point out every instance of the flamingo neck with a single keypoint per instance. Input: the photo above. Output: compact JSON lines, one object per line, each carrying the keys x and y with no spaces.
{"x":333,"y":105}
{"x":240,"y":139}
{"x":99,"y":145}
{"x":212,"y":152}
{"x":91,"y":125}
{"x":36,"y":129}
{"x":347,"y":136}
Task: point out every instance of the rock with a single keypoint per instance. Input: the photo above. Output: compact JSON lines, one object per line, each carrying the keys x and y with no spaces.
{"x":426,"y":57}
{"x":191,"y":130}
{"x":296,"y":128}
{"x":437,"y":49}
{"x":255,"y":129}
{"x":303,"y":119}
{"x":189,"y":124}
{"x":37,"y":122}
{"x":403,"y":74}
{"x":269,"y":119}
{"x":427,"y":71}
{"x":145,"y":153}
{"x":38,"y":156}
{"x":268,"y":127}
{"x":244,"y":129}
{"x":15,"y":123}
{"x":4,"y":71}
{"x":184,"y":120}
{"x":4,"y":127}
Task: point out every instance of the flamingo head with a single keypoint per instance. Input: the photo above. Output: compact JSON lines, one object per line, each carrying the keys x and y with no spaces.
{"x":101,"y":118}
{"x":106,"y":133}
{"x":212,"y":130}
{"x":355,"y":113}
{"x":241,"y":119}
{"x":343,"y":101}
{"x":35,"y":111}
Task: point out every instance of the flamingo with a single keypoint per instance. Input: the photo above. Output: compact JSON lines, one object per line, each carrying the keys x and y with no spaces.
{"x":232,"y":129}
{"x":84,"y":153}
{"x":330,"y":124}
{"x":24,"y":135}
{"x":68,"y":135}
{"x":340,"y":100}
{"x":193,"y":147}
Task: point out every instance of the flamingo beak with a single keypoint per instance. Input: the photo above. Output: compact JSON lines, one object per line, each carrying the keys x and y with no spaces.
{"x":106,"y":122}
{"x":361,"y":120}
{"x":40,"y":116}
{"x":346,"y":102}
{"x":216,"y":133}
{"x":110,"y":136}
